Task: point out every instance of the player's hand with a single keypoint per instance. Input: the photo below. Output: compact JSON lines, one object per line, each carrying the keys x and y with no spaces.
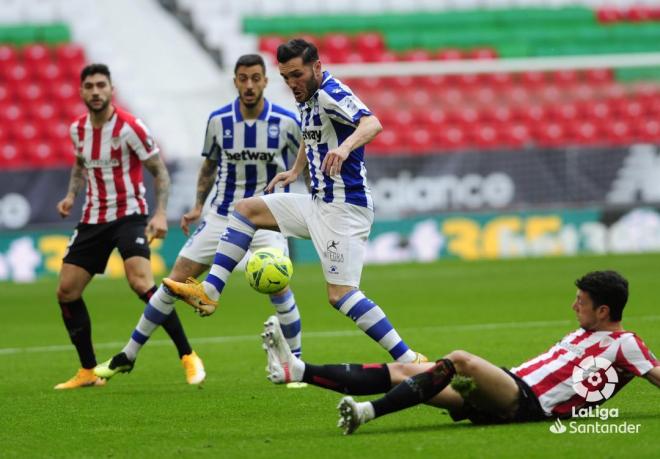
{"x":189,"y":218}
{"x":157,"y":227}
{"x":283,"y":178}
{"x":333,"y":160}
{"x":64,"y":206}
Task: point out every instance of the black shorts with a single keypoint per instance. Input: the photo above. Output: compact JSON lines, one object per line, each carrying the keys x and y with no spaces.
{"x":529,"y":408}
{"x":91,"y":245}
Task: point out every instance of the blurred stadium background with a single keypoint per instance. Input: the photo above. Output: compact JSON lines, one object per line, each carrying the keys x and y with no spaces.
{"x":512,"y":127}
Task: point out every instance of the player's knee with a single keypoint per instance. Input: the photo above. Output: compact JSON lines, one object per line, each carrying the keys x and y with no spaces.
{"x":462,"y":360}
{"x":67,"y":292}
{"x":140,"y":284}
{"x":246,"y":208}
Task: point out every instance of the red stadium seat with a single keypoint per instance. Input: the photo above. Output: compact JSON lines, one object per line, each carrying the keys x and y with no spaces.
{"x":27,"y":131}
{"x":486,"y":135}
{"x":12,"y":113}
{"x":598,"y":76}
{"x":482,"y":53}
{"x":449,"y":54}
{"x":417,"y":55}
{"x":10,"y":156}
{"x":58,"y":131}
{"x":36,"y":54}
{"x":269,"y":44}
{"x":585,"y":133}
{"x":619,"y":133}
{"x":8,"y":57}
{"x":41,"y":154}
{"x":380,"y":56}
{"x":564,"y":77}
{"x":44,"y":112}
{"x":336,"y":43}
{"x":551,"y":135}
{"x":649,"y":130}
{"x":5,"y":94}
{"x":429,"y":116}
{"x":18,"y":73}
{"x":30,"y":92}
{"x":369,"y":42}
{"x":419,"y":140}
{"x":533,"y":79}
{"x":386,"y":142}
{"x":608,"y":15}
{"x":515,"y":134}
{"x":452,"y":137}
{"x":496,"y":114}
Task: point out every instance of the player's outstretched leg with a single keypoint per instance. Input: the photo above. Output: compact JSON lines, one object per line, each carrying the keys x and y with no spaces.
{"x":158,"y":311}
{"x":232,"y":246}
{"x":117,"y":364}
{"x":371,"y":319}
{"x":353,"y":414}
{"x":289,"y":318}
{"x":283,"y":366}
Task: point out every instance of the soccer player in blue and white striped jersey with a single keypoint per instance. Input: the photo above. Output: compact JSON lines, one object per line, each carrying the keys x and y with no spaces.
{"x":338,"y":215}
{"x":247,"y":143}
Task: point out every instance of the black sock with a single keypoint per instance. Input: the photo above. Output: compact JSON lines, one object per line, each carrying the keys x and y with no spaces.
{"x":350,"y":378}
{"x":416,"y":389}
{"x":172,"y":326}
{"x":77,"y":323}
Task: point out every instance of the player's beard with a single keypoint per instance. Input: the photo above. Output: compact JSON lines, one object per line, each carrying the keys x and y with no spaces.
{"x":312,"y":86}
{"x":251,"y":105}
{"x":103,"y":107}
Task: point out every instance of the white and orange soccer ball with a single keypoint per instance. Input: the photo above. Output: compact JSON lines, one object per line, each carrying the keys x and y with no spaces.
{"x":268,"y":270}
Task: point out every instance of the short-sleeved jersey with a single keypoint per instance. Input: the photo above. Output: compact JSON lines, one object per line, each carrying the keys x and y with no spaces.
{"x":112,"y":156}
{"x":550,"y":375}
{"x":328,"y":117}
{"x":249,"y":152}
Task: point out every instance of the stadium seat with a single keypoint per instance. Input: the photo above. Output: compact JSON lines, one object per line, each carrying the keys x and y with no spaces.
{"x":9,"y":156}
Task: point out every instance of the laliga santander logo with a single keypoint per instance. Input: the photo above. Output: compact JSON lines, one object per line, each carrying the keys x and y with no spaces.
{"x":594,"y":379}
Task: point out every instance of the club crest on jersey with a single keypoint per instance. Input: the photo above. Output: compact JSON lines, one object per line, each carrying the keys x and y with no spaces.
{"x":227,"y":134}
{"x":115,"y":142}
{"x":273,"y":131}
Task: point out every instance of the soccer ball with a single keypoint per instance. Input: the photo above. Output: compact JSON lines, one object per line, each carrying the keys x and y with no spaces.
{"x":268,"y":270}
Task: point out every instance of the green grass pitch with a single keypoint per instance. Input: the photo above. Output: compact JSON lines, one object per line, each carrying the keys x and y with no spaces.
{"x":505,"y":311}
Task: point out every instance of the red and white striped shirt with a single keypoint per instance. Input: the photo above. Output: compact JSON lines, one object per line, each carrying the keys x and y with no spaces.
{"x":113,"y":155}
{"x":550,"y":375}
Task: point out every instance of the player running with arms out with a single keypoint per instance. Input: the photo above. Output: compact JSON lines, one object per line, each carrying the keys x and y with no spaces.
{"x":337,"y":217}
{"x":111,"y":146}
{"x":247,"y":142}
{"x":470,"y":387}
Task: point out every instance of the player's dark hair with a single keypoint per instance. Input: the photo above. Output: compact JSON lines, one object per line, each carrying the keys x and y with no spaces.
{"x":93,"y":69}
{"x":297,"y":47}
{"x":606,"y":288}
{"x":248,"y":60}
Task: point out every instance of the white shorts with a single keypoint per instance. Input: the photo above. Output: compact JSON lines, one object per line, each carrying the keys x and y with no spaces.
{"x":339,"y":232}
{"x":201,"y":246}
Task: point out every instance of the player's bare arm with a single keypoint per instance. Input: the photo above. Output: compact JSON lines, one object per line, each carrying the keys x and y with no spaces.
{"x":287,"y":177}
{"x":368,"y":128}
{"x":654,"y":376}
{"x":205,"y":181}
{"x":157,"y":227}
{"x":76,"y":183}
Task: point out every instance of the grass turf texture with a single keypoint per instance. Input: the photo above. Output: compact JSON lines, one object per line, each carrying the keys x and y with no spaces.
{"x":505,"y":311}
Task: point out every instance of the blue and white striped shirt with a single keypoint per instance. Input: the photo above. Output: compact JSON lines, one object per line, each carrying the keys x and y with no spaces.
{"x":328,"y":117}
{"x":249,"y":152}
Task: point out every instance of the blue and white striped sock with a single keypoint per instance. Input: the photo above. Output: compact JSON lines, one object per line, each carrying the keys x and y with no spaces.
{"x":371,"y":319}
{"x":289,"y":317}
{"x":157,"y":310}
{"x":232,"y":246}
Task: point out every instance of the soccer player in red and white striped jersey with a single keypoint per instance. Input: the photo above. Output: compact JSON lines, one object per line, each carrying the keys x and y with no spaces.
{"x":586,"y":368}
{"x":111,"y":147}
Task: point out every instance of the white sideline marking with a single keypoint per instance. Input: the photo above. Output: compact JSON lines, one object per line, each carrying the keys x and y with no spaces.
{"x":323,"y":334}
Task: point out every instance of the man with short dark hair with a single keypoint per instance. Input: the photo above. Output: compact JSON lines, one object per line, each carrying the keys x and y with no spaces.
{"x":111,"y":147}
{"x":338,"y":215}
{"x":582,"y":370}
{"x":247,"y":143}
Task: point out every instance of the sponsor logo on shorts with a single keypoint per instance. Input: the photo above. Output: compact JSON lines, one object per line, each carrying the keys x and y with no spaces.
{"x":139,"y":240}
{"x":332,"y":252}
